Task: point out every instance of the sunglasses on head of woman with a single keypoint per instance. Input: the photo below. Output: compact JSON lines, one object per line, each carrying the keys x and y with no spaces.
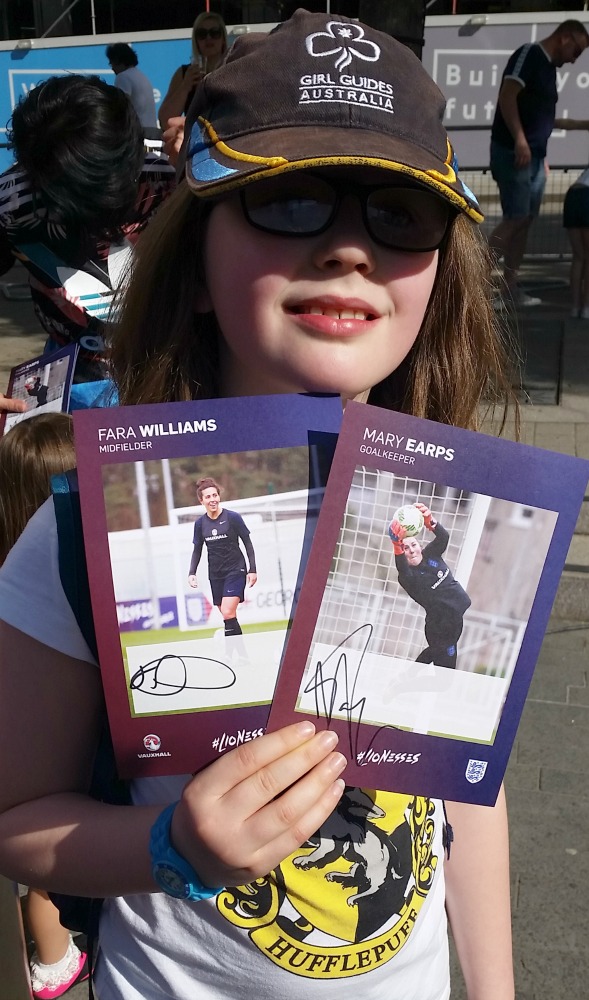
{"x":203,"y":33}
{"x":396,"y":216}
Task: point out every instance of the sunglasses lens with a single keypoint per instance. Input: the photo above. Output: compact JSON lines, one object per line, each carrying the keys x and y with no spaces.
{"x":303,"y":204}
{"x":406,"y":219}
{"x":203,"y":33}
{"x":290,"y":205}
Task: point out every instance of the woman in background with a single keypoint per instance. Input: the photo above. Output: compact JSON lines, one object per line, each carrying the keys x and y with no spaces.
{"x":209,"y":47}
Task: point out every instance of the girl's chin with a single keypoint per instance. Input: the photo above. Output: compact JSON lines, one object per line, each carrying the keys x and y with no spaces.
{"x":339,"y":387}
{"x":243,"y":381}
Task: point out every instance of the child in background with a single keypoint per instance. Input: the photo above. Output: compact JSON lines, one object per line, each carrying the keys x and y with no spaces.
{"x":30,"y":453}
{"x":321,"y":241}
{"x":71,"y":209}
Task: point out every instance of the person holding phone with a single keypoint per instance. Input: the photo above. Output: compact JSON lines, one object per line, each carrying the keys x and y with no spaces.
{"x":209,"y":47}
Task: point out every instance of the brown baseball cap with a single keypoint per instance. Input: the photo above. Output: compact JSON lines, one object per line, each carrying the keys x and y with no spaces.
{"x":318,"y":91}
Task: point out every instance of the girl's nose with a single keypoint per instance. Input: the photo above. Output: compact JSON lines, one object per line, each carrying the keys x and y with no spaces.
{"x":346,"y":245}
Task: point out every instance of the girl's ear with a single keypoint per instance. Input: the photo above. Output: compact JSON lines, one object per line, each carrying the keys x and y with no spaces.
{"x":202,"y":300}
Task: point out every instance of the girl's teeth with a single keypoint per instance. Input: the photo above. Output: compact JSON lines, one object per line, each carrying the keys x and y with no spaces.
{"x":337,"y":313}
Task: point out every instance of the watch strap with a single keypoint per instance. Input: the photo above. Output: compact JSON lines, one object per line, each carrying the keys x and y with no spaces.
{"x":170,"y":870}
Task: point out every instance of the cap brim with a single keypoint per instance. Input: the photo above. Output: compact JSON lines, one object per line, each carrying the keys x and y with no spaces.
{"x":214,"y":166}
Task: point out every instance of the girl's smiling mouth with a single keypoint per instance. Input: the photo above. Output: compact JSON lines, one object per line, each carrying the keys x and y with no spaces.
{"x":334,"y":317}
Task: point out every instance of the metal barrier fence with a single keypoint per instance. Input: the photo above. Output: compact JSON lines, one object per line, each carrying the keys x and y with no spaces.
{"x":547,"y":238}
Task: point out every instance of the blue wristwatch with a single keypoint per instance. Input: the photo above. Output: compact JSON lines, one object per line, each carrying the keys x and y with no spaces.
{"x":170,"y":871}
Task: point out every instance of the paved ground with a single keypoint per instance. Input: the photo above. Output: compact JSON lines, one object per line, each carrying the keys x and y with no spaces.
{"x":548,"y":790}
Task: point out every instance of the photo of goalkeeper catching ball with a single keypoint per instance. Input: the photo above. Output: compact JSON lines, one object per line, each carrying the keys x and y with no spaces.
{"x":427,"y":640}
{"x":420,"y":657}
{"x":428,"y":580}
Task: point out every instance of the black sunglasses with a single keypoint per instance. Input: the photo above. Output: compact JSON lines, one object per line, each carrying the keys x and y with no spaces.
{"x":202,"y":33}
{"x":396,"y":216}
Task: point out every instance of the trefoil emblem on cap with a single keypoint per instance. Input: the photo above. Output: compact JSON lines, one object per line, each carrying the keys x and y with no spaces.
{"x":350,"y":42}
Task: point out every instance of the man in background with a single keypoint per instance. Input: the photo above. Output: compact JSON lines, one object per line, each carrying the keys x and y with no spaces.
{"x":524,"y":119}
{"x":124,"y":64}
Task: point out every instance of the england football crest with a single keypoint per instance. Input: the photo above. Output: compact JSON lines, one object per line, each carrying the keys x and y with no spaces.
{"x":475,"y":770}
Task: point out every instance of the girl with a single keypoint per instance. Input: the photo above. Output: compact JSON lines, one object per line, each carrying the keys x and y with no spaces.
{"x":30,"y":453}
{"x":209,"y":46}
{"x":322,"y":241}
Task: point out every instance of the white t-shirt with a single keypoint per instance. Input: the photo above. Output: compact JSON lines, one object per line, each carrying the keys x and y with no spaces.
{"x":358,"y":910}
{"x":140,"y":91}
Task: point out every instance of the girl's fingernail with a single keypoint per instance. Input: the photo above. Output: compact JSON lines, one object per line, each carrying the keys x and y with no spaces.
{"x":337,"y":763}
{"x":305,"y":728}
{"x":327,"y":739}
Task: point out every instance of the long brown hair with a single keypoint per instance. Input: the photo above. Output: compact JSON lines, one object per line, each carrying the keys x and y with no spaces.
{"x":162,"y":350}
{"x":30,"y":453}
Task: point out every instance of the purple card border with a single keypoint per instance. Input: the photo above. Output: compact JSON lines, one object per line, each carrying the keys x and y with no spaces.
{"x":242,"y":424}
{"x":481,"y":464}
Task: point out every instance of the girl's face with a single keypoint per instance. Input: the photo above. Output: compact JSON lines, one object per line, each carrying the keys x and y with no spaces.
{"x":334,"y":312}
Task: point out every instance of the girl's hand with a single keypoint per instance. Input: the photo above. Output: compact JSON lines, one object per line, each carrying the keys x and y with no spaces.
{"x":252,"y":579}
{"x":241,"y":816}
{"x":193,"y":581}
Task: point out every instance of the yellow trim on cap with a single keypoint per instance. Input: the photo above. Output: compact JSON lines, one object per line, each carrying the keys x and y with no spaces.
{"x":279,"y":165}
{"x":450,"y":175}
{"x":234,"y":154}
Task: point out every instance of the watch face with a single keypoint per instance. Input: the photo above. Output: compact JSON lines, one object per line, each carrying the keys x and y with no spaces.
{"x":171,"y":880}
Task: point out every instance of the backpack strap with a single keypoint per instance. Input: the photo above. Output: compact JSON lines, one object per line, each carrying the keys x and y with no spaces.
{"x":448,"y":832}
{"x":106,"y":786}
{"x":76,"y":912}
{"x":72,"y":556}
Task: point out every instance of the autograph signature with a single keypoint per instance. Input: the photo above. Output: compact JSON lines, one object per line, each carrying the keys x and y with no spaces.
{"x":148,"y":678}
{"x":325,"y":683}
